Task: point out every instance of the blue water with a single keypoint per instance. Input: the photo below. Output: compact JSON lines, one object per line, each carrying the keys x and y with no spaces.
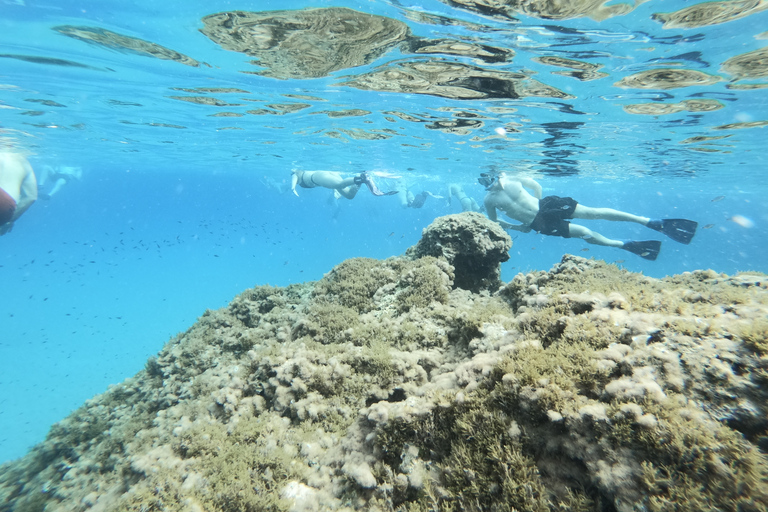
{"x":175,"y":214}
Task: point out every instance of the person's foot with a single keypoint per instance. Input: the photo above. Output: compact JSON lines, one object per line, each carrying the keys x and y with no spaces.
{"x":366,"y":178}
{"x":654,"y":224}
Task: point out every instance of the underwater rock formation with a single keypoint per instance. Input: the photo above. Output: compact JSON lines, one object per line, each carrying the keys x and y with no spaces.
{"x":473,"y":245}
{"x":385,"y":387}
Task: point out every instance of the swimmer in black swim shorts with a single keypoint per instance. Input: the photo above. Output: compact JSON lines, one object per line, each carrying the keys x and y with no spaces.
{"x":550,"y":216}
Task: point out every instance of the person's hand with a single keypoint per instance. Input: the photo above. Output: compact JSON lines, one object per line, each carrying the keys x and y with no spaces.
{"x":6,"y":228}
{"x":523,"y":228}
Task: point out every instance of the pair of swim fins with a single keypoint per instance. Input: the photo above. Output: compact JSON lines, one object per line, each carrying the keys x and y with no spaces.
{"x":679,"y":230}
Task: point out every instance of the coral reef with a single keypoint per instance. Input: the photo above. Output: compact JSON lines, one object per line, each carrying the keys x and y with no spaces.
{"x":385,"y":386}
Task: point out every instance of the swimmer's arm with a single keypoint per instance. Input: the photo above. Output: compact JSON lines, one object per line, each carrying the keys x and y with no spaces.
{"x":28,"y":195}
{"x":294,"y":182}
{"x":491,"y":211}
{"x":523,"y":228}
{"x":532,"y":186}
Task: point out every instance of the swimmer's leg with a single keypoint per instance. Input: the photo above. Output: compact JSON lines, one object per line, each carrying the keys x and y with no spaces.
{"x":592,"y":237}
{"x":587,"y":212}
{"x":647,"y":249}
{"x":349,"y":192}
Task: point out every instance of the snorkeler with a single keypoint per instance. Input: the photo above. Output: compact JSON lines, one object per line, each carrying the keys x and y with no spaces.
{"x":18,"y":189}
{"x":62,"y":176}
{"x":342,"y":187}
{"x":468,"y":204}
{"x":549,"y":216}
{"x":408,"y":199}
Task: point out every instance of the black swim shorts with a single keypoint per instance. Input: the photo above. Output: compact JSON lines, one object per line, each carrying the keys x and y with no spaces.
{"x":553,"y":211}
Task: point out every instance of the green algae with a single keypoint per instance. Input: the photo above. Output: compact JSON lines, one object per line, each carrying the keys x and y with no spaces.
{"x":244,"y":471}
{"x":353,"y":283}
{"x":755,"y":336}
{"x":424,"y":282}
{"x":328,"y":322}
{"x":704,"y":464}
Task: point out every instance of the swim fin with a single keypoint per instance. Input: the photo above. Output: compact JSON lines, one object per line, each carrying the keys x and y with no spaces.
{"x":647,"y":249}
{"x":679,"y":230}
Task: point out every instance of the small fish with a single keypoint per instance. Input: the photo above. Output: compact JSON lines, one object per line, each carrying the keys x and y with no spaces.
{"x":708,"y":226}
{"x":392,"y":233}
{"x":585,"y":249}
{"x":618,"y":262}
{"x":718,"y":198}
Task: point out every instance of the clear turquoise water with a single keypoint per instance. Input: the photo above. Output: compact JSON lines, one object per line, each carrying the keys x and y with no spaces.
{"x":176,"y":214}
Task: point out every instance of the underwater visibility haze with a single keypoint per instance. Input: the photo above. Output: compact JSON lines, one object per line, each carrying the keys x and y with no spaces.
{"x":172,"y":130}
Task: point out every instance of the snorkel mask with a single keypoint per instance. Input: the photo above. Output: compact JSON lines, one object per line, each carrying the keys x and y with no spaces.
{"x":487,"y":179}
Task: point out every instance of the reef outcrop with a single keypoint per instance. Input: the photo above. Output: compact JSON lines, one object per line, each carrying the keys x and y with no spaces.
{"x":384,"y":386}
{"x":473,"y":245}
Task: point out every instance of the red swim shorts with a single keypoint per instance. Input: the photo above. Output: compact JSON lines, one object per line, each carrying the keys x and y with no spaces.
{"x":7,"y":207}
